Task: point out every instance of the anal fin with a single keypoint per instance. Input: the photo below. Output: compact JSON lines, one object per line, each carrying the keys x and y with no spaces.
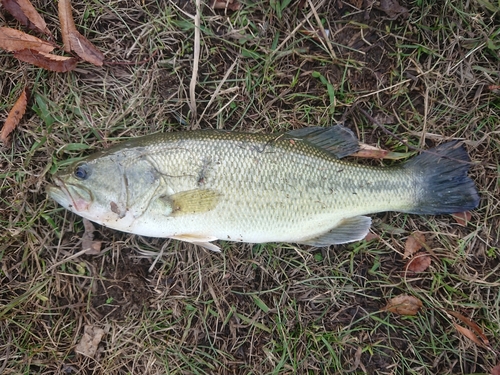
{"x":203,"y":241}
{"x":348,"y":230}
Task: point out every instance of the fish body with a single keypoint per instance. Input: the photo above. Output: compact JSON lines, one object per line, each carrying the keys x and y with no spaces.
{"x":202,"y":186}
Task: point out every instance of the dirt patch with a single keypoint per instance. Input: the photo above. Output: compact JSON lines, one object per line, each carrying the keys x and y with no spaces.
{"x":119,"y":290}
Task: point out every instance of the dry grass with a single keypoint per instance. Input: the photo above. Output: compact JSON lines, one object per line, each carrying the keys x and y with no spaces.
{"x":275,"y":308}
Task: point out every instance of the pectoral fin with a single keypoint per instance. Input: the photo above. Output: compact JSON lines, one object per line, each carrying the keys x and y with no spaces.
{"x":349,"y":230}
{"x":203,"y":241}
{"x":191,"y":201}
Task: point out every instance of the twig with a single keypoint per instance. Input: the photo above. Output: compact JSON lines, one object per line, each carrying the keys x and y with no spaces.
{"x":196,"y":61}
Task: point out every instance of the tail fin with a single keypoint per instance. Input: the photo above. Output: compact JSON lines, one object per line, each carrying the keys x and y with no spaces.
{"x":445,"y":187}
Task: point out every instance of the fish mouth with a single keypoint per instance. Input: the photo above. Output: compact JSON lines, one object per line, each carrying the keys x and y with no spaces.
{"x":72,"y":197}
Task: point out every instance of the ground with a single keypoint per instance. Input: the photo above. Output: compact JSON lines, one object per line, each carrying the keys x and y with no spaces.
{"x":427,"y":75}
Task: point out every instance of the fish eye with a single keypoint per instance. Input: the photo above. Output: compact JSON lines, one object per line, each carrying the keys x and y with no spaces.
{"x":82,"y":171}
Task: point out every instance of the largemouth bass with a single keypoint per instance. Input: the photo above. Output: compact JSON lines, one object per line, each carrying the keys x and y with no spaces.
{"x":211,"y":185}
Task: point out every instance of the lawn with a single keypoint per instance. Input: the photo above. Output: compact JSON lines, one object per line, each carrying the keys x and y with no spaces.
{"x":426,"y":72}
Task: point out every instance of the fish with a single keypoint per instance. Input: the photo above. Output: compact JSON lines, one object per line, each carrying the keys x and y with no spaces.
{"x":290,"y":187}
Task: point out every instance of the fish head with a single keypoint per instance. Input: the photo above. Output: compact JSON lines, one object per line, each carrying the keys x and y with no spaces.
{"x":90,"y":188}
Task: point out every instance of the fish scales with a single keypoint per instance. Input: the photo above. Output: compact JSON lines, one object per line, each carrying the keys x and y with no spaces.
{"x":206,"y":185}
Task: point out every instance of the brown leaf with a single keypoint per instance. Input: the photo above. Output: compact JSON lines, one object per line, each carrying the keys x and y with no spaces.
{"x":67,"y":22}
{"x":14,"y":116}
{"x":47,"y":61}
{"x":25,"y":12}
{"x":419,"y":263}
{"x":496,"y":370}
{"x":14,"y":40}
{"x":226,"y":4}
{"x":403,"y":305}
{"x":86,"y":50}
{"x":414,"y":243}
{"x":90,"y":340}
{"x":393,"y":9}
{"x":371,"y":236}
{"x":462,"y":218}
{"x":88,"y":243}
{"x":472,"y":325}
{"x":468,"y":333}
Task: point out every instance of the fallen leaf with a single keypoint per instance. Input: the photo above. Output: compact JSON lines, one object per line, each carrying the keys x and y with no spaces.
{"x":226,"y":4}
{"x":88,"y":243}
{"x":462,"y":218}
{"x":14,"y":116}
{"x":414,"y":243}
{"x":86,"y":50}
{"x":419,"y":263}
{"x":67,"y":22}
{"x":14,"y":40}
{"x":371,"y":236}
{"x":371,"y":152}
{"x":393,"y":9}
{"x":90,"y":340}
{"x":468,"y":333}
{"x":403,"y":305}
{"x":496,"y":370}
{"x":47,"y":61}
{"x":471,"y":324}
{"x":25,"y":13}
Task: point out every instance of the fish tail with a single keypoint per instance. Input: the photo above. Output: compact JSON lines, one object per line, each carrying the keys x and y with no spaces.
{"x":444,"y":186}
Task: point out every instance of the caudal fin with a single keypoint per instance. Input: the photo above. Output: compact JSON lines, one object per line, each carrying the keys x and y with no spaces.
{"x":444,"y":185}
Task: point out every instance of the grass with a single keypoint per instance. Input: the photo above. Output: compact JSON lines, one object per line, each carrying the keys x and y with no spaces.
{"x":254,"y":309}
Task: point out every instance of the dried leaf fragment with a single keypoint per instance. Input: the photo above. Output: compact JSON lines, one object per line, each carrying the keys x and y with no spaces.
{"x":90,"y":341}
{"x":403,"y":305}
{"x":496,"y":370}
{"x":419,"y":263}
{"x":88,"y":243}
{"x":393,"y":9}
{"x":462,"y":218}
{"x":14,"y":116}
{"x":47,"y":61}
{"x":67,"y":22}
{"x":26,"y":14}
{"x":86,"y":50}
{"x":226,"y":4}
{"x":14,"y":40}
{"x":468,"y":333}
{"x":478,"y":331}
{"x":414,"y":243}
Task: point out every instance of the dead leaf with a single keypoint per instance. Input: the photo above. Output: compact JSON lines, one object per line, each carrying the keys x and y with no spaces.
{"x":88,"y":243}
{"x":462,"y":218}
{"x":14,"y":40}
{"x":90,"y":341}
{"x":419,"y":263}
{"x":403,"y":305}
{"x":414,"y":243}
{"x":468,"y":333}
{"x":371,"y":152}
{"x":67,"y":22}
{"x":26,"y":14}
{"x":47,"y":61}
{"x":86,"y":50}
{"x":371,"y":236}
{"x":496,"y":370}
{"x":14,"y":116}
{"x":393,"y":9}
{"x":226,"y":4}
{"x":471,"y":324}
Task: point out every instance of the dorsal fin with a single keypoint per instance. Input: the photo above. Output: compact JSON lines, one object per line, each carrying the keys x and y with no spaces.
{"x":337,"y":140}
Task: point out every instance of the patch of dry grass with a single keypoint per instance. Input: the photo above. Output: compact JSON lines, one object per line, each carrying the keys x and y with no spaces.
{"x":272,"y":308}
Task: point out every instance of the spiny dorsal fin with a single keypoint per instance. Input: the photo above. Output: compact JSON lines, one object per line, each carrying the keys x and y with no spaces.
{"x":337,"y":140}
{"x":192,"y":201}
{"x":349,"y":230}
